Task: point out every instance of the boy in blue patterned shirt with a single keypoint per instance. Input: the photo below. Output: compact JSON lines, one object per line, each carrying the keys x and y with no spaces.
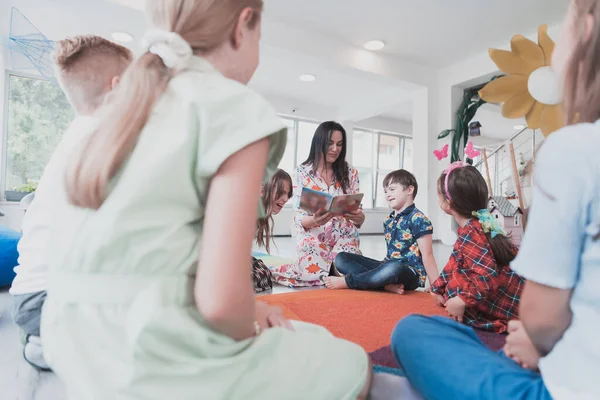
{"x":408,"y":232}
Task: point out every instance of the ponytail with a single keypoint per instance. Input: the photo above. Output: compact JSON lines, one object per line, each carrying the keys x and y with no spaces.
{"x":503,"y":249}
{"x":121,"y":122}
{"x":186,"y":27}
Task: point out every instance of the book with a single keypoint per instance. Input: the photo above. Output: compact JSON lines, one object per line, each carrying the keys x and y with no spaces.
{"x":313,"y":200}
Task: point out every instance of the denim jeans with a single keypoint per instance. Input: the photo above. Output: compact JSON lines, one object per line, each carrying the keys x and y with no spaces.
{"x":444,"y":359}
{"x":367,"y":274}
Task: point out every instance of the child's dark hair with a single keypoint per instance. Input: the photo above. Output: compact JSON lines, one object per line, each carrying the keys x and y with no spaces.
{"x":271,"y":190}
{"x":468,"y":193}
{"x":402,"y":177}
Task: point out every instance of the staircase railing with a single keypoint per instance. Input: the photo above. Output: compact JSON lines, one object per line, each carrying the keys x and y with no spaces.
{"x":500,"y":164}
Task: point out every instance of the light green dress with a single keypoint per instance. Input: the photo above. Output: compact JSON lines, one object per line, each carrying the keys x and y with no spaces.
{"x":119,"y":321}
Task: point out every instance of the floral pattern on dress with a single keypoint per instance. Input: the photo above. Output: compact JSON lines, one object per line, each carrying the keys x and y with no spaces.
{"x":317,"y":248}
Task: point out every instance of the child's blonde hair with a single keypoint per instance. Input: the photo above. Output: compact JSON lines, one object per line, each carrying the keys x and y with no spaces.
{"x":86,"y":66}
{"x":205,"y":25}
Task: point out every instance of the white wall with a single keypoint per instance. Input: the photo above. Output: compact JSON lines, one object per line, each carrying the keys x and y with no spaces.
{"x":386,"y":124}
{"x":13,"y":215}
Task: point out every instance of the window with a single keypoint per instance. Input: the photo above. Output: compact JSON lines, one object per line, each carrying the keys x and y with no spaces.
{"x":288,"y":162}
{"x":300,"y":134}
{"x":37,"y":115}
{"x":362,"y":160}
{"x":517,"y":219}
{"x":375,"y":154}
{"x":306,"y":131}
{"x":407,"y":161}
{"x":388,"y":160}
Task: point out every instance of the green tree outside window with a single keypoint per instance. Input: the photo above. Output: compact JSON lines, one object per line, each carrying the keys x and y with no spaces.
{"x":38,"y":115}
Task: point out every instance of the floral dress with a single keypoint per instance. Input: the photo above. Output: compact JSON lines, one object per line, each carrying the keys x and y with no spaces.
{"x":318,"y":247}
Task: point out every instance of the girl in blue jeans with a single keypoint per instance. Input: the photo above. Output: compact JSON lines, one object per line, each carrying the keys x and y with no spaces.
{"x":553,"y":351}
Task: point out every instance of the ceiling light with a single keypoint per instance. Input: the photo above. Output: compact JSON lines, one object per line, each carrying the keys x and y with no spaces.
{"x":307,"y":77}
{"x":374,"y":45}
{"x":122,"y":37}
{"x":519,"y":127}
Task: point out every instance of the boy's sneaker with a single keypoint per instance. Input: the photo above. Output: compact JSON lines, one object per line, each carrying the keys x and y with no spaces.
{"x":33,"y":354}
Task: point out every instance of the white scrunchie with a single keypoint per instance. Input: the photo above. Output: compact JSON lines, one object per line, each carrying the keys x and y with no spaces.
{"x":169,"y":46}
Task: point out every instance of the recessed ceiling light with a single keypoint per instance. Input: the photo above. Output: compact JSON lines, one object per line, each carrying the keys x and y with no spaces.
{"x":123,"y":37}
{"x":519,"y":127}
{"x":374,"y":45}
{"x":307,"y":77}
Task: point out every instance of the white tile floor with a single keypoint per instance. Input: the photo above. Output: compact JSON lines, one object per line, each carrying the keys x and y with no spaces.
{"x":18,"y":381}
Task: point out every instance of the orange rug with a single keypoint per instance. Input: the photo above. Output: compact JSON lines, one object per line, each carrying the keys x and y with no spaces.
{"x":365,"y":318}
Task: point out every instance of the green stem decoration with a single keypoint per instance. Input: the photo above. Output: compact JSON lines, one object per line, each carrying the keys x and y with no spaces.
{"x":465,"y":113}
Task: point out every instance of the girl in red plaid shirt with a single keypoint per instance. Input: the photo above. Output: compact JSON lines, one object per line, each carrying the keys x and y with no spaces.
{"x":477,"y":286}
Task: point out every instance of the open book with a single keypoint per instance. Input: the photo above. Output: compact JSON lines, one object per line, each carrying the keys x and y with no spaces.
{"x":313,"y":200}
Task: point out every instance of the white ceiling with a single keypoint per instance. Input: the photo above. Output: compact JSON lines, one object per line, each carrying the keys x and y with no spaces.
{"x":332,"y":88}
{"x":324,"y":37}
{"x":439,"y":32}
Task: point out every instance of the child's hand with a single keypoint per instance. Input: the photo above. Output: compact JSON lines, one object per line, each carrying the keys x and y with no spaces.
{"x":519,"y":346}
{"x":455,"y":307}
{"x":270,"y":317}
{"x":439,"y":299}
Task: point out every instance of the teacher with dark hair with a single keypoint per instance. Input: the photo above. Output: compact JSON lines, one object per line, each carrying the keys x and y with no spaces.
{"x":320,"y":237}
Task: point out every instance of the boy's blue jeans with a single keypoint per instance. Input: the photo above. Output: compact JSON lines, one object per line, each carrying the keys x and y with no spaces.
{"x":364,"y":273}
{"x":444,"y":359}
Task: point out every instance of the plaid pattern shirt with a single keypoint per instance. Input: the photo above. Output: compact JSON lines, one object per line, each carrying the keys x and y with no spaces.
{"x":491,"y":292}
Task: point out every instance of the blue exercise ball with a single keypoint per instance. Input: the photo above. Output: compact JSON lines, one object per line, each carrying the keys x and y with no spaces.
{"x":8,"y":254}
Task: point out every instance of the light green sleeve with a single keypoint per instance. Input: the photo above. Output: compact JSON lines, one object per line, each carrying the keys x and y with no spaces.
{"x":235,"y":118}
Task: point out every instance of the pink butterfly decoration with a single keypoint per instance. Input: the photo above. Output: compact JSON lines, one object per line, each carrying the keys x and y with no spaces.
{"x":441,"y":153}
{"x":471,"y":152}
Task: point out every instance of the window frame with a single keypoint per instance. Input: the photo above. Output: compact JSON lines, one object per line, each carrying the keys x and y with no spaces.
{"x":297,"y":121}
{"x":377,"y":133}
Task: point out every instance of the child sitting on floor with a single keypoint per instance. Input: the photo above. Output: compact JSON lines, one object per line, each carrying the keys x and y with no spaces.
{"x":560,"y":258}
{"x":477,"y":286}
{"x":88,"y":67}
{"x":408,"y":233}
{"x":152,"y":286}
{"x":274,"y":194}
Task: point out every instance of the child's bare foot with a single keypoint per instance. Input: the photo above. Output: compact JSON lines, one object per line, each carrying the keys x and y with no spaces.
{"x":335,"y":282}
{"x":398,"y":289}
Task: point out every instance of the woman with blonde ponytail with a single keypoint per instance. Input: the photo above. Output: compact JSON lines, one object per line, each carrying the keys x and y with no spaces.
{"x":150,"y":295}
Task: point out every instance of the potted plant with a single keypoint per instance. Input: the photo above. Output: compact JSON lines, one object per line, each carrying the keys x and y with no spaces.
{"x":465,"y":113}
{"x":17,"y":193}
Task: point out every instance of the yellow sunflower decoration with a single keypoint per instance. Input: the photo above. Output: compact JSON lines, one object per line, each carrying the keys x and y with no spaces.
{"x":530,"y":87}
